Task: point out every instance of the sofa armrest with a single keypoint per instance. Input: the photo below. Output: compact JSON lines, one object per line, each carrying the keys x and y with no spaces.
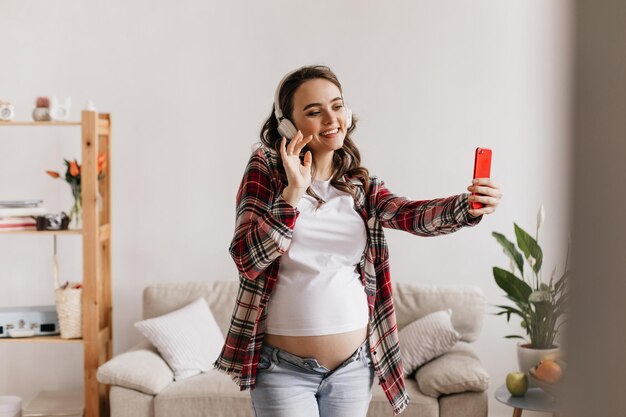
{"x":141,"y":368}
{"x":458,"y":370}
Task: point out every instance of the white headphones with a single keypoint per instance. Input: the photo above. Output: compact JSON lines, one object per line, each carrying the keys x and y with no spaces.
{"x":285,"y":127}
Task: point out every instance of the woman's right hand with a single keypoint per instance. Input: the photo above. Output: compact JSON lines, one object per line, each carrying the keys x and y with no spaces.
{"x":298,"y":174}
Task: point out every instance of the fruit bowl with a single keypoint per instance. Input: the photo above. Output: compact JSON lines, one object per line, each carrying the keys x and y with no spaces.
{"x":552,"y":388}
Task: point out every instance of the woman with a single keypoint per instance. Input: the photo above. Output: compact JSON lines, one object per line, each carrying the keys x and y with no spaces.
{"x":313,"y":321}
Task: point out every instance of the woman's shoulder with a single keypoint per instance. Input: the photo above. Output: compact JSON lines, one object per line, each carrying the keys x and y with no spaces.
{"x":268,"y":155}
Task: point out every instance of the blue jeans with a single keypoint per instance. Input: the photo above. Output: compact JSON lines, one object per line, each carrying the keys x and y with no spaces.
{"x":289,"y":386}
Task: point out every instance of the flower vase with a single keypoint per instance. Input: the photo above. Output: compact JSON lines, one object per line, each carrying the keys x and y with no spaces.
{"x":76,"y":212}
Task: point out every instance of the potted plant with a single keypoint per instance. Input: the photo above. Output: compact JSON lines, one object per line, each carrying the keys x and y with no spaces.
{"x":540,"y":305}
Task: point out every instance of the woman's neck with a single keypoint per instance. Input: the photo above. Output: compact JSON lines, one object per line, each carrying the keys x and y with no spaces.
{"x":323,"y":166}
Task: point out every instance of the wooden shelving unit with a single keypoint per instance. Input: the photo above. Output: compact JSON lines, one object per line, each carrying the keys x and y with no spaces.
{"x":96,"y":233}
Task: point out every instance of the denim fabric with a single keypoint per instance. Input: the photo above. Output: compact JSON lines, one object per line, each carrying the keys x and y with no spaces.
{"x":288,"y":385}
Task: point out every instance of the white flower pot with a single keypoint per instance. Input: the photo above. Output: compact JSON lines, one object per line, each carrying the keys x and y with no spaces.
{"x":528,"y":358}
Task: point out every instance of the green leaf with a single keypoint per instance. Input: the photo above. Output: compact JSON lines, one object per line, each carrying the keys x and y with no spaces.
{"x":561,"y":281}
{"x":512,"y":310}
{"x":529,"y":246}
{"x":510,"y":250}
{"x":516,"y":288}
{"x":514,"y":336}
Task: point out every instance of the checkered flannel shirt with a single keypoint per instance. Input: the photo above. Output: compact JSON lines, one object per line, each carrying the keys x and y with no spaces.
{"x":263,"y":231}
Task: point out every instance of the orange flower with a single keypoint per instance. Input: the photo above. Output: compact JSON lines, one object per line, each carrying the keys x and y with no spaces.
{"x":74,"y":169}
{"x":102,"y":164}
{"x":53,"y":174}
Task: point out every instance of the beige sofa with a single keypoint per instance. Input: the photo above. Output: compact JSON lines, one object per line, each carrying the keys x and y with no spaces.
{"x":453,"y":385}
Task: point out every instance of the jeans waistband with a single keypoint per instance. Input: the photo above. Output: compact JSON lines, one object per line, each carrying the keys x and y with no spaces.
{"x":310,"y":362}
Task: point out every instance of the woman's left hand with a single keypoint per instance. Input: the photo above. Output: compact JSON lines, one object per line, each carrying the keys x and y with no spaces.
{"x":488,"y":193}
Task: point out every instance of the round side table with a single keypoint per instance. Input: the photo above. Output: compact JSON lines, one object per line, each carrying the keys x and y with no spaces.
{"x":535,"y":399}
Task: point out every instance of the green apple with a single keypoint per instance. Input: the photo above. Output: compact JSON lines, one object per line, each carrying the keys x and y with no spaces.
{"x":517,"y":383}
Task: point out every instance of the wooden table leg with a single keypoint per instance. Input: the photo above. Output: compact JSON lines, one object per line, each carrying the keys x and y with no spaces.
{"x":517,"y":412}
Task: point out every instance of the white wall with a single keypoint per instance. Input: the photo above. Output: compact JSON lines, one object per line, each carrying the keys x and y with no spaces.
{"x":188,"y":85}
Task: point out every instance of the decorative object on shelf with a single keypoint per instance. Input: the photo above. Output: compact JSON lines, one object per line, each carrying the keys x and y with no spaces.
{"x":90,"y":106}
{"x":20,"y":214}
{"x":73,"y":178}
{"x":7,"y":112}
{"x":28,"y":321}
{"x":60,"y":112}
{"x":539,"y":305}
{"x":68,"y":297}
{"x":57,"y":221}
{"x":69,"y":310}
{"x":41,"y":112}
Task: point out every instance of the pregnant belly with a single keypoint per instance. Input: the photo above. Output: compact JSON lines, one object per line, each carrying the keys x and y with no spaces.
{"x":330,"y":350}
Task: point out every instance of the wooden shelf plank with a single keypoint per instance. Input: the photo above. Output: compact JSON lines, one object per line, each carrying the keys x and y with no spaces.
{"x":105,"y":232}
{"x":25,"y":123}
{"x":39,"y":339}
{"x":42,"y":232}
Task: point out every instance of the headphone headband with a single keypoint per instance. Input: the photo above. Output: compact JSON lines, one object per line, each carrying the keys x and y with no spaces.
{"x":277,"y":110}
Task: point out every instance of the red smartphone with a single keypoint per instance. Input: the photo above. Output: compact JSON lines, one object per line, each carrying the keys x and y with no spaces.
{"x":482,"y":169}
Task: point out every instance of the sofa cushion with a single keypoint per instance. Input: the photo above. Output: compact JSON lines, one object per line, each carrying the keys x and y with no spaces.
{"x":412,"y":301}
{"x":419,"y":405}
{"x":215,"y":392}
{"x":465,"y":404}
{"x":130,"y":403}
{"x":141,"y":369}
{"x":189,"y":339}
{"x":209,"y":394}
{"x":457,"y":371}
{"x":426,"y":338}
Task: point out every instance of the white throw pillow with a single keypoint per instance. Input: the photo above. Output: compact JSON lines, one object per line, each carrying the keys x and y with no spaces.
{"x":189,"y":339}
{"x":426,"y":338}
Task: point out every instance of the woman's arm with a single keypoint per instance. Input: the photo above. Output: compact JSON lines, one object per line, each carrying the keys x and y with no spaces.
{"x":264,"y":222}
{"x":424,"y":217}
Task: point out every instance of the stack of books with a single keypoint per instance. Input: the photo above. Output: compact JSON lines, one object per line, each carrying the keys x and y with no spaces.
{"x":20,"y":214}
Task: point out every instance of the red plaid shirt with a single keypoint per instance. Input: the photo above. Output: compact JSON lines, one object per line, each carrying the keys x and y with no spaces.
{"x":264,"y":227}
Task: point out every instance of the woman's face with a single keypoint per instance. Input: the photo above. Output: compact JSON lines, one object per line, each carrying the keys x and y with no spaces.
{"x":318,"y":110}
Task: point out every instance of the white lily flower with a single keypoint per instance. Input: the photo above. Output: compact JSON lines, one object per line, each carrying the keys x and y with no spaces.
{"x":540,"y":216}
{"x":532,"y":261}
{"x":512,"y":266}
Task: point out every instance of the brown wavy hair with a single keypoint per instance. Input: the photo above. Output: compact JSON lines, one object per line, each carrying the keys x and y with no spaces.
{"x":346,"y":160}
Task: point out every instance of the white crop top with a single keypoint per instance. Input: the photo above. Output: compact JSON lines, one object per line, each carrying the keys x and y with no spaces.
{"x":318,"y":290}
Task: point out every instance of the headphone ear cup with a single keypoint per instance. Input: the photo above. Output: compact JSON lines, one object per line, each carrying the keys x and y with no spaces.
{"x":287,"y":129}
{"x":348,"y":118}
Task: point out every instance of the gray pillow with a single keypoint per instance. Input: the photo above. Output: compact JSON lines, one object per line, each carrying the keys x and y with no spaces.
{"x":457,"y":371}
{"x":141,"y":369}
{"x":426,"y":338}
